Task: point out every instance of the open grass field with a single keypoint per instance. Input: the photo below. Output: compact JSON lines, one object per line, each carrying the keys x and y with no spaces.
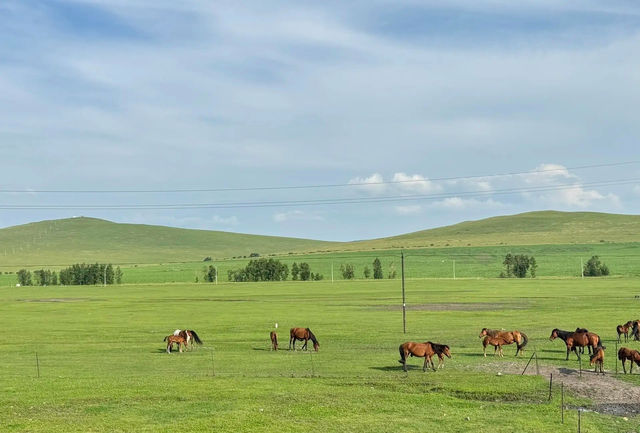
{"x":470,"y":262}
{"x":103,"y":367}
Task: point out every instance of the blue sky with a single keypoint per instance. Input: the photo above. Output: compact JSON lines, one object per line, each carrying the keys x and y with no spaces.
{"x":140,"y":95}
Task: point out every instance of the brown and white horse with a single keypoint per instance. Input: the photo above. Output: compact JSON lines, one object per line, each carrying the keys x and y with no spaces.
{"x":189,"y":335}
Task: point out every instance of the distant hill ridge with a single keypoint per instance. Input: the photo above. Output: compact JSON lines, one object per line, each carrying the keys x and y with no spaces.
{"x":86,"y":239}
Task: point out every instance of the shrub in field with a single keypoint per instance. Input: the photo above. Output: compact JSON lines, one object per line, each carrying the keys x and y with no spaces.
{"x":82,"y":274}
{"x":377,"y":269}
{"x":305,"y":271}
{"x":347,"y":271}
{"x":366,"y":272}
{"x":210,"y":273}
{"x":260,"y":270}
{"x":24,"y":277}
{"x":44,"y":277}
{"x":518,"y":265}
{"x":595,"y":268}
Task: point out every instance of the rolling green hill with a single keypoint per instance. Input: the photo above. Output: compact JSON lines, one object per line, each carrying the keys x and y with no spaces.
{"x":531,"y":228}
{"x":84,"y":239}
{"x":61,"y":242}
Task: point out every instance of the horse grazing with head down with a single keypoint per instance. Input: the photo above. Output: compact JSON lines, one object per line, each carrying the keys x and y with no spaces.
{"x":494,"y":336}
{"x":625,"y":354}
{"x":302,"y":334}
{"x":175,"y":339}
{"x":624,"y":330}
{"x":424,"y":350}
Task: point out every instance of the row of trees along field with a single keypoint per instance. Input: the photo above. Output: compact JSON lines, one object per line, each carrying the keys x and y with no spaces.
{"x":78,"y":274}
{"x":273,"y":270}
{"x":519,"y":265}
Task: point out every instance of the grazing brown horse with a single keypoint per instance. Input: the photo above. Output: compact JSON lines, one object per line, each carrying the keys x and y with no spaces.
{"x":175,"y":339}
{"x":274,"y":340}
{"x":423,"y":350}
{"x":302,"y":334}
{"x":574,"y":340}
{"x":624,"y":330}
{"x":497,"y":342}
{"x":505,"y":337}
{"x":625,"y":354}
{"x":598,"y":359}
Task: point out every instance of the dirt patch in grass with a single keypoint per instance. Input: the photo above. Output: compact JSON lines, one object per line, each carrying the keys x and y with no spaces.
{"x":451,"y":306}
{"x":608,"y":394}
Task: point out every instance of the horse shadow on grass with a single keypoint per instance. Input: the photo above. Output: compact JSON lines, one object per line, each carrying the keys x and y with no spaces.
{"x":397,"y":368}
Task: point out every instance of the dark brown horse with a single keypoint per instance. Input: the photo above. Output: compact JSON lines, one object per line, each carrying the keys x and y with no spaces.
{"x":625,"y":354}
{"x":575,"y":340}
{"x":274,"y":340}
{"x":505,"y":337}
{"x":598,"y":358}
{"x":441,"y":350}
{"x":424,"y":350}
{"x":175,"y":339}
{"x":624,"y":330}
{"x":302,"y":334}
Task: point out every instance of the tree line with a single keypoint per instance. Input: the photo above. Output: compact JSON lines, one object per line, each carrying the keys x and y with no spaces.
{"x":264,"y":269}
{"x":79,"y":274}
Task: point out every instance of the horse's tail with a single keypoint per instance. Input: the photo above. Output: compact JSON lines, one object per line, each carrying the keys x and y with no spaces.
{"x":403,"y":359}
{"x":195,"y":336}
{"x":165,"y":338}
{"x":275,"y":338}
{"x":524,"y":342}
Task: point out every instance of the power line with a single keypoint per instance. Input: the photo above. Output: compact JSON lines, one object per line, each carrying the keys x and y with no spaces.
{"x":316,"y":186}
{"x":331,"y":201}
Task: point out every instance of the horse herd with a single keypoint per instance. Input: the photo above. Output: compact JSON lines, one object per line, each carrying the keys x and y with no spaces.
{"x":187,"y":337}
{"x":575,"y":341}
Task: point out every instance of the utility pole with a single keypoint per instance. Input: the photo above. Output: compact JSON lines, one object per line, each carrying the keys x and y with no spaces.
{"x":581,"y":268}
{"x":331,"y":272}
{"x":216,"y":268}
{"x":105,"y":276}
{"x":404,"y":304}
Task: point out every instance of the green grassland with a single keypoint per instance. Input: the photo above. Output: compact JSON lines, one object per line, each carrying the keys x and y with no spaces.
{"x":103,"y":368}
{"x":470,"y":262}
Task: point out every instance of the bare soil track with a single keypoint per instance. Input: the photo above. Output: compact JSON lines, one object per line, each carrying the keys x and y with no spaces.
{"x":609,"y":394}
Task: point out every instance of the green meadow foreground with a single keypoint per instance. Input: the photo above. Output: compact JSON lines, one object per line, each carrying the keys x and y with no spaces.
{"x":103,"y":366}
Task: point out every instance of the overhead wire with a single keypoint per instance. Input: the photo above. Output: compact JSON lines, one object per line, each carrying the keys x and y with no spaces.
{"x":328,"y":201}
{"x":311,"y":186}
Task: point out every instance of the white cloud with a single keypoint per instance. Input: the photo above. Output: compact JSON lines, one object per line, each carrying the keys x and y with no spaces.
{"x":296,"y":215}
{"x":458,"y":203}
{"x":415,"y":183}
{"x":372,"y":184}
{"x":408,"y":210}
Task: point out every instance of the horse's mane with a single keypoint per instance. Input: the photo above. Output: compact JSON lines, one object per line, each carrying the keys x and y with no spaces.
{"x":438,"y":348}
{"x":563,"y":334}
{"x":312,"y":337}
